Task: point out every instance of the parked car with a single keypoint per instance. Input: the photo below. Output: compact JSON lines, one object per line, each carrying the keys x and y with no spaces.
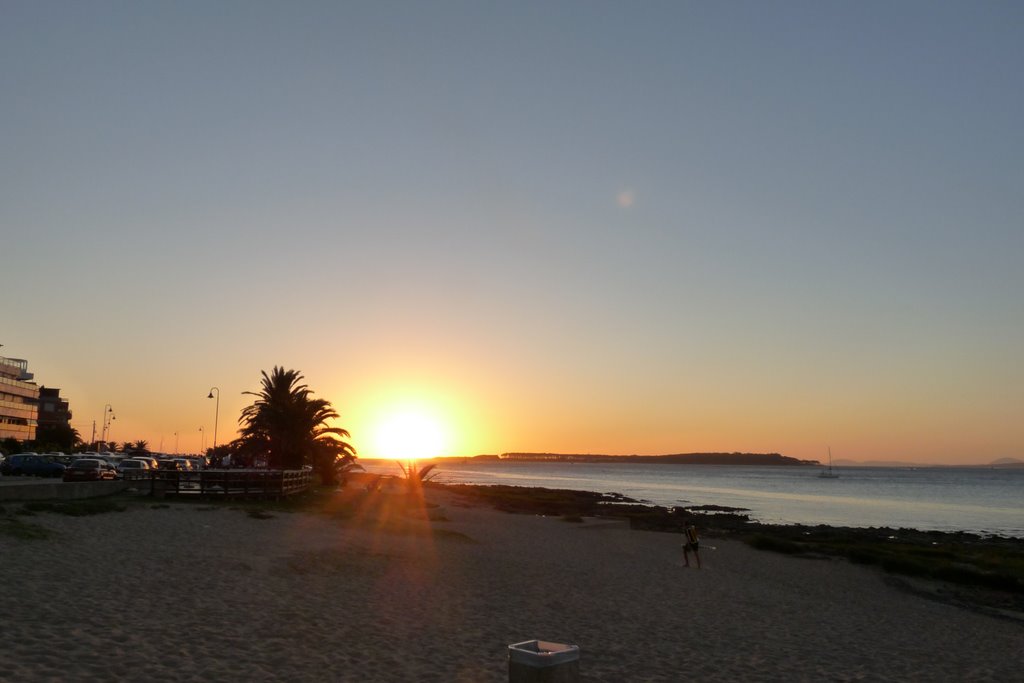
{"x":132,"y":465}
{"x":32,"y":464}
{"x":171,"y":465}
{"x":6,"y":466}
{"x":148,"y":459}
{"x":63,"y":459}
{"x":108,"y":458}
{"x":89,"y":469}
{"x":195,"y":462}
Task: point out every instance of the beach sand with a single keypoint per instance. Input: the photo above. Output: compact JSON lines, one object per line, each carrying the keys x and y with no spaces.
{"x":195,"y":592}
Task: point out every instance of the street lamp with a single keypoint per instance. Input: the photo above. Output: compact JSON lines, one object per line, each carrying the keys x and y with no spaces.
{"x":202,"y":437}
{"x":108,"y":410}
{"x":216,"y":415}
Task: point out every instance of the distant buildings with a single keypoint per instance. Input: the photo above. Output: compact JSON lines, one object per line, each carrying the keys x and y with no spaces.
{"x":53,"y":410}
{"x":19,"y":400}
{"x":29,"y":412}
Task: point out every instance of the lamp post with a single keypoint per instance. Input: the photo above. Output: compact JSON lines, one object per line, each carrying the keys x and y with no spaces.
{"x":202,"y":439}
{"x":108,"y":410}
{"x":216,"y":415}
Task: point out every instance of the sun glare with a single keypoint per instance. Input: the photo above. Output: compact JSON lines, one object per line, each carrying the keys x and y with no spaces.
{"x":409,"y":435}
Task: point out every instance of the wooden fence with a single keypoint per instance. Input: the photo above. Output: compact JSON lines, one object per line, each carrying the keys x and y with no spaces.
{"x":223,"y":483}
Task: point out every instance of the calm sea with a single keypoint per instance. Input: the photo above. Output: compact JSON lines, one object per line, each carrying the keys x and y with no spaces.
{"x":981,"y":500}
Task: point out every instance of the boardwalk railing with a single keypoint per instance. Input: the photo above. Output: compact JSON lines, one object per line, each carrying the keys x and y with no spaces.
{"x":226,"y":483}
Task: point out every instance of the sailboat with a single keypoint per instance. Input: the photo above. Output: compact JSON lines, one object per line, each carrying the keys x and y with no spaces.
{"x":827,"y":473}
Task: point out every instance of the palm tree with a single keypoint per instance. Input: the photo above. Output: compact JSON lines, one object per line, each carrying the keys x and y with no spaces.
{"x":290,"y":426}
{"x":57,"y":437}
{"x":415,"y":475}
{"x":344,"y":465}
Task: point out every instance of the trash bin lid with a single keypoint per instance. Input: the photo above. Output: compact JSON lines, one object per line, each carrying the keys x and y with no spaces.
{"x":542,"y":653}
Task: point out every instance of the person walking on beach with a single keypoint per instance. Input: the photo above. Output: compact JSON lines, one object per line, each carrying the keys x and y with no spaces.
{"x":692,"y":542}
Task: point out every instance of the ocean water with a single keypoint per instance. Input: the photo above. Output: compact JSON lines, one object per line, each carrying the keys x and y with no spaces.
{"x":976,"y":499}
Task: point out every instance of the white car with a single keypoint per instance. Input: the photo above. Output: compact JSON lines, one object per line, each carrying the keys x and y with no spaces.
{"x":131,"y":465}
{"x":148,"y":459}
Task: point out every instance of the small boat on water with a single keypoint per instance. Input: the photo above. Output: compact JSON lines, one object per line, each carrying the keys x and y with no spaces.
{"x":827,"y":473}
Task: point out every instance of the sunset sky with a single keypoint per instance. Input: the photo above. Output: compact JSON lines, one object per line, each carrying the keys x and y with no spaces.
{"x":606,"y":227}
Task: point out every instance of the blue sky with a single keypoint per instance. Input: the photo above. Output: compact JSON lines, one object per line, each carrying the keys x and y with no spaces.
{"x":579,"y":226}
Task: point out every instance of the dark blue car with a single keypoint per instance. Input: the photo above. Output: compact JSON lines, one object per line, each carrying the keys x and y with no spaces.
{"x":32,"y":464}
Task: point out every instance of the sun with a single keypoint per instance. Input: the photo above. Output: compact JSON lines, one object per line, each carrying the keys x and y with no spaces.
{"x":409,"y":434}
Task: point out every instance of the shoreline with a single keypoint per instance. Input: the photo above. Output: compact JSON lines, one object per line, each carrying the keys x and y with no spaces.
{"x":721,"y":519}
{"x":986,"y":502}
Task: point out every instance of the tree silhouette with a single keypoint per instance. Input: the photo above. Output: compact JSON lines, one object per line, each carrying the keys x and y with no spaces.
{"x":290,"y":427}
{"x":56,"y":437}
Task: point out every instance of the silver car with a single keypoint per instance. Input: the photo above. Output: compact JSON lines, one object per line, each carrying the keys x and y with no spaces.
{"x":131,"y":465}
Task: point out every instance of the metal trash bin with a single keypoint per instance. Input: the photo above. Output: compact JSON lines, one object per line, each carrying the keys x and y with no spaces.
{"x":541,"y":661}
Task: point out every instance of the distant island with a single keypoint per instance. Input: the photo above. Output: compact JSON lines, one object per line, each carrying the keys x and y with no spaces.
{"x":670,"y":459}
{"x":718,"y":459}
{"x":1007,"y":462}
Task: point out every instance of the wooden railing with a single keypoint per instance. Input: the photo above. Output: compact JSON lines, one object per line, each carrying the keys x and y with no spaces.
{"x":226,"y":483}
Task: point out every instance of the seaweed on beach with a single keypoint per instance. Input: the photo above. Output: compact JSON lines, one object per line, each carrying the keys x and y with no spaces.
{"x":76,"y":508}
{"x":572,"y":504}
{"x":536,"y":500}
{"x":957,"y":558}
{"x":774,"y":544}
{"x":15,"y":528}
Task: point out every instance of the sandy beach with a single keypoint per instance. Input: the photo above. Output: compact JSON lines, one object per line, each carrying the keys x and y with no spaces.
{"x":194,"y":592}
